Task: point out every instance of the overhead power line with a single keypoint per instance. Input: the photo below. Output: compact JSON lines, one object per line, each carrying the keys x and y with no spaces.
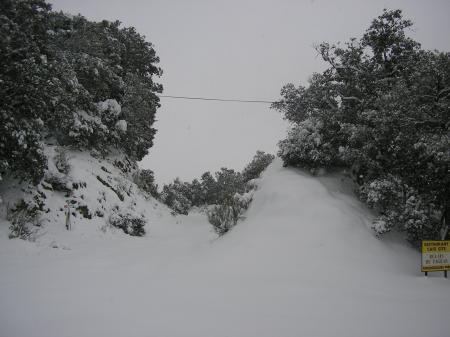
{"x":217,"y":99}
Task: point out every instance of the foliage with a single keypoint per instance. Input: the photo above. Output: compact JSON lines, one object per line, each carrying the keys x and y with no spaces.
{"x":380,"y":109}
{"x":228,"y":183}
{"x":129,"y":223}
{"x":197,"y":194}
{"x":177,"y":196}
{"x":258,"y":164}
{"x":226,"y":195}
{"x":401,"y":206}
{"x":145,"y":180}
{"x":23,"y":218}
{"x":314,"y":150}
{"x":209,"y":191}
{"x":70,"y":80}
{"x":224,"y":216}
{"x":23,"y":86}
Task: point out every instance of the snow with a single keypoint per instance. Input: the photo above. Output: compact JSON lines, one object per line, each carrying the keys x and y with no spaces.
{"x":121,"y":125}
{"x":303,"y":263}
{"x":110,"y":104}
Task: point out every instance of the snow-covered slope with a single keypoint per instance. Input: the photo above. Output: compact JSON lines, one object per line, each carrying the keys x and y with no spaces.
{"x":303,"y":263}
{"x":91,"y":188}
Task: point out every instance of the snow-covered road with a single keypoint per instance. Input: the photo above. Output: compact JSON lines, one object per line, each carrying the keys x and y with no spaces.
{"x":303,"y":263}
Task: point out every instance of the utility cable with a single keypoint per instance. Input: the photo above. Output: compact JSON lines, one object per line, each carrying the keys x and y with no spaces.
{"x":216,"y":99}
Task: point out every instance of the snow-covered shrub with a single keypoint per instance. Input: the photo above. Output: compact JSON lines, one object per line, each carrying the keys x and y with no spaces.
{"x":218,"y":189}
{"x":58,"y":181}
{"x":222,"y":190}
{"x":145,"y":180}
{"x":21,"y":152}
{"x":381,"y":193}
{"x":176,"y":196}
{"x":305,"y":146}
{"x":225,"y":216}
{"x":258,"y":164}
{"x":222,"y":218}
{"x":24,"y":218}
{"x":401,"y":207}
{"x":84,"y":211}
{"x":242,"y":201}
{"x":122,"y":186}
{"x":420,"y":219}
{"x":130,"y":223}
{"x":386,"y":196}
{"x":125,"y":164}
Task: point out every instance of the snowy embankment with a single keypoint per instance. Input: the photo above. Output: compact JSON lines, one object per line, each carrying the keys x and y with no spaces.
{"x":303,"y":263}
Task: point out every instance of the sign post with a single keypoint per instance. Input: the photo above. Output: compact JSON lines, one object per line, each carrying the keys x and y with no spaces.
{"x":435,"y":256}
{"x":68,"y":223}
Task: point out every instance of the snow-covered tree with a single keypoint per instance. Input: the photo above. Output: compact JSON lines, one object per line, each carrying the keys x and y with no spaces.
{"x":72,"y":81}
{"x":24,"y":75}
{"x":258,"y":164}
{"x":229,"y":182}
{"x":380,"y":109}
{"x":176,"y":196}
{"x":145,"y":180}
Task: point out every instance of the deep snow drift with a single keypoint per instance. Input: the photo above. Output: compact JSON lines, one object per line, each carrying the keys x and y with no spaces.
{"x":303,"y":263}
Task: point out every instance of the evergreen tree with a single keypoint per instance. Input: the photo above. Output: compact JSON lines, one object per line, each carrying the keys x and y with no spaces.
{"x":209,"y":187}
{"x":258,"y":164}
{"x":176,"y":196}
{"x":229,"y":182}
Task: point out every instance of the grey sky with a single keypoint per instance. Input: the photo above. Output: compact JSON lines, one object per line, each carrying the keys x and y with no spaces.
{"x":246,"y":50}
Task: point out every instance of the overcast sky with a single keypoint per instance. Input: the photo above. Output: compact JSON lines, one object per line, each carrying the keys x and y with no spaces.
{"x":245,"y":50}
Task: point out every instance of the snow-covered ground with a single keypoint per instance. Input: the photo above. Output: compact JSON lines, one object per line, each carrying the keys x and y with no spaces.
{"x":303,"y":263}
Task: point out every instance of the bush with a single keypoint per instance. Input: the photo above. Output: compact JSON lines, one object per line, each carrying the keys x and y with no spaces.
{"x":23,"y":217}
{"x":177,"y":196}
{"x":224,"y":190}
{"x":58,"y":181}
{"x":306,"y":147}
{"x":225,"y":216}
{"x":401,"y":207}
{"x":258,"y":164}
{"x":222,"y":218}
{"x":129,"y":223}
{"x":145,"y":180}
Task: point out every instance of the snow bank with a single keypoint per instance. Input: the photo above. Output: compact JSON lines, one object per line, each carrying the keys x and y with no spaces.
{"x":110,"y":105}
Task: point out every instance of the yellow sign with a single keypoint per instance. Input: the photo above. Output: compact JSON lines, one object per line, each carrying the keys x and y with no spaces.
{"x":435,"y":255}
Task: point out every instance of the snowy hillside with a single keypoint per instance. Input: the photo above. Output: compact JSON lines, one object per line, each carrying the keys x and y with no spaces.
{"x":303,"y":263}
{"x":93,"y":189}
